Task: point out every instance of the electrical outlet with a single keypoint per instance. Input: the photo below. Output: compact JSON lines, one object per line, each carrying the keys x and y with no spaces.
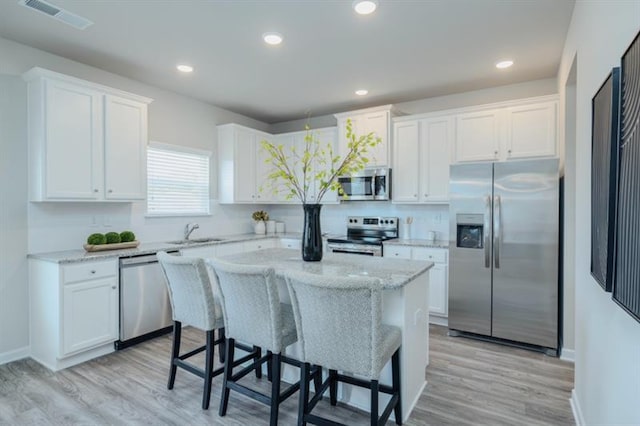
{"x":94,"y":222}
{"x":437,"y":218}
{"x":106,"y":221}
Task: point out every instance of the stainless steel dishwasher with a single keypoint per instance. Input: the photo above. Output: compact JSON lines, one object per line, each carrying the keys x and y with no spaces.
{"x":145,"y":309}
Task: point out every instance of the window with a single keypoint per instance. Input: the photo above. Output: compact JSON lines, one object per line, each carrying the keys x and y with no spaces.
{"x":177,"y":181}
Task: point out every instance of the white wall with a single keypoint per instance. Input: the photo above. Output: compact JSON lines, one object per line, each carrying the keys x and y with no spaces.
{"x":607,"y":351}
{"x":458,"y":100}
{"x":14,"y":312}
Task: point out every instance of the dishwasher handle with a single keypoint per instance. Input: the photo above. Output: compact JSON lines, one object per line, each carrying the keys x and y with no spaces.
{"x":141,"y":260}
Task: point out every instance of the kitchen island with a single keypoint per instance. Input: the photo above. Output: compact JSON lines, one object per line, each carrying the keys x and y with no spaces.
{"x":405,"y":304}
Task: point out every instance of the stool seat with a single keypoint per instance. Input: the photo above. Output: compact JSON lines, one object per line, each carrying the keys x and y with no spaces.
{"x":254,"y":314}
{"x":194,"y":303}
{"x":339,"y":324}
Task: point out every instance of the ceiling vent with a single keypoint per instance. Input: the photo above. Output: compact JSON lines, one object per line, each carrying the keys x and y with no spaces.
{"x":57,"y":13}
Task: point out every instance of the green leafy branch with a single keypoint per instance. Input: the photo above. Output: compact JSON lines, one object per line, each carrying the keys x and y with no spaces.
{"x":294,"y":170}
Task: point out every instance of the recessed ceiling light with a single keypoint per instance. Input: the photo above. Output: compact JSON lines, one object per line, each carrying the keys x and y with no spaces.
{"x":504,"y":64}
{"x":272,"y":38}
{"x":365,"y":7}
{"x":362,"y":92}
{"x":184,"y":68}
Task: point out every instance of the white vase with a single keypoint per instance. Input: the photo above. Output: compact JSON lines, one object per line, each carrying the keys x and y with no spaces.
{"x":260,"y":227}
{"x":271,"y":227}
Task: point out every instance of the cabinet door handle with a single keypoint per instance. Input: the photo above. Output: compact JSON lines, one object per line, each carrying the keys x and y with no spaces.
{"x":495,"y":152}
{"x":95,"y":190}
{"x":426,"y":195}
{"x":113,"y":287}
{"x":93,"y":271}
{"x":110,"y":191}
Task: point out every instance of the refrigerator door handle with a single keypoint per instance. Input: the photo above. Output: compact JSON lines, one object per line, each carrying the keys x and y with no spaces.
{"x":487,"y":227}
{"x":497,"y":207}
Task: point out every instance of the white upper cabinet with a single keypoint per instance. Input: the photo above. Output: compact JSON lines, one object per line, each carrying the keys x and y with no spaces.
{"x":422,"y":155}
{"x":87,"y":142}
{"x":436,"y":136}
{"x":125,"y":148}
{"x":406,"y":162}
{"x":531,"y":130}
{"x":478,"y":136}
{"x":512,"y":130}
{"x":327,"y":137}
{"x":241,"y":167}
{"x":376,"y":120}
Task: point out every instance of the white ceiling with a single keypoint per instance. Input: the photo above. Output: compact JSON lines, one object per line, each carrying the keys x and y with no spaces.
{"x":406,"y":50}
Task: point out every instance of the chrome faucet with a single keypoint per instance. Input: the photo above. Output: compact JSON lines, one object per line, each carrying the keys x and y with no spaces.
{"x":189,"y":229}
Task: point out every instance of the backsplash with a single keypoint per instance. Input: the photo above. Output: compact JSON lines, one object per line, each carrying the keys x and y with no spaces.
{"x":333,"y":217}
{"x":65,"y":226}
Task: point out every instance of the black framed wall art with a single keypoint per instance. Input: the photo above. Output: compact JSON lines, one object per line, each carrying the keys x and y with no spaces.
{"x":604,"y":173}
{"x":626,"y":288}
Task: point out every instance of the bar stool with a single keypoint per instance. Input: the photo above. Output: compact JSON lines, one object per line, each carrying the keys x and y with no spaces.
{"x":339,"y":325}
{"x":253,"y":314}
{"x":193,"y":303}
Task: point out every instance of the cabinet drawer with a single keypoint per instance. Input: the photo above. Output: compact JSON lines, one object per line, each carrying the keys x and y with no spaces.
{"x":89,"y":270}
{"x":291,"y":243}
{"x":399,"y":252}
{"x":432,"y":255}
{"x":259,"y":244}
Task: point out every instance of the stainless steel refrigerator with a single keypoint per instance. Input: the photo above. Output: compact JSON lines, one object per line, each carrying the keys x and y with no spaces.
{"x":503,"y":265}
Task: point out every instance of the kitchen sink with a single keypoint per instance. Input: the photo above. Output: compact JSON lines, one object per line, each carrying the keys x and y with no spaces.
{"x":196,"y":240}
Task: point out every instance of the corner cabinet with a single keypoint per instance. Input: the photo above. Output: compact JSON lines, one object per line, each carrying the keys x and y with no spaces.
{"x":421,"y":159}
{"x":326,"y":136}
{"x":241,"y":167}
{"x":87,"y":142}
{"x":365,"y":121}
{"x":74,"y":311}
{"x":520,"y":129}
{"x":438,"y":276}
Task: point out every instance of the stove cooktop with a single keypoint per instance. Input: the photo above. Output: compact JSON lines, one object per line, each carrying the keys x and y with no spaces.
{"x":359,"y":240}
{"x":368,"y":230}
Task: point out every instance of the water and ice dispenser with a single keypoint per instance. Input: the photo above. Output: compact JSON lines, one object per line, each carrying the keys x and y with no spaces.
{"x":470,"y":231}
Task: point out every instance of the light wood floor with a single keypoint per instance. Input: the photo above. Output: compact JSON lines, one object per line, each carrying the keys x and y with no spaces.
{"x":469,"y":383}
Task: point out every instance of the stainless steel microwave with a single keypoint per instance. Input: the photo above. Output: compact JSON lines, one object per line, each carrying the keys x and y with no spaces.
{"x":368,"y":184}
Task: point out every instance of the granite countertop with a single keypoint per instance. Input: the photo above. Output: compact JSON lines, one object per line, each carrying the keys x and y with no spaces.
{"x":442,"y":244}
{"x":394,"y":273}
{"x":73,"y":256}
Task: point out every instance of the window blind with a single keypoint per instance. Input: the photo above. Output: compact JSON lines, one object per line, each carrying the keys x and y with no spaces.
{"x":177,"y":181}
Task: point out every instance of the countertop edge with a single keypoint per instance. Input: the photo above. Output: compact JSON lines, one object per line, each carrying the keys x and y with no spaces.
{"x":414,"y":242}
{"x":79,"y":256}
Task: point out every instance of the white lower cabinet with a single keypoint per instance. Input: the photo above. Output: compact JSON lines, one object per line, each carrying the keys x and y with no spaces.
{"x":90,"y":315}
{"x":292,"y":243}
{"x":205,"y":252}
{"x":74,"y":311}
{"x":397,"y":252}
{"x":438,"y":275}
{"x":260,"y":244}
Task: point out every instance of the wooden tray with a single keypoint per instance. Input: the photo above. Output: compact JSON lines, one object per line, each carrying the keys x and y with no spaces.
{"x":116,"y":246}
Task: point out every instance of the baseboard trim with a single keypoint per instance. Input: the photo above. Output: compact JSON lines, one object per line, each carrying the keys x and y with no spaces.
{"x":14,"y":355}
{"x":575,"y":408}
{"x":568,"y":355}
{"x":437,"y":320}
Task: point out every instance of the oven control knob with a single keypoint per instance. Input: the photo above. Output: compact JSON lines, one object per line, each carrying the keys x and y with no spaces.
{"x":391,"y":221}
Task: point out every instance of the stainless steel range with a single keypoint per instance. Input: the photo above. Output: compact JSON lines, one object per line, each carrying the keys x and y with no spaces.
{"x":365,"y":235}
